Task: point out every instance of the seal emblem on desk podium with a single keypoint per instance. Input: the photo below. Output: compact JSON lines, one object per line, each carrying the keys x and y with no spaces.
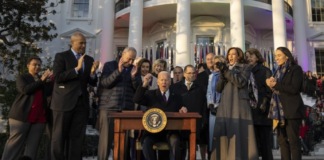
{"x":154,"y":120}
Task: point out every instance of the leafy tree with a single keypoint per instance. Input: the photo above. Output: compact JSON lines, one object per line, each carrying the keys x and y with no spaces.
{"x":22,"y":24}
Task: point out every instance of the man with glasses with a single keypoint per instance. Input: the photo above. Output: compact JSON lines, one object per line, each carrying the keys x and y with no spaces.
{"x":194,"y":98}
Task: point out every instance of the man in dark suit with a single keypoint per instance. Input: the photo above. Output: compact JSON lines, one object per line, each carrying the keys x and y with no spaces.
{"x":118,"y":85}
{"x":194,"y":98}
{"x":166,"y":100}
{"x":73,"y":70}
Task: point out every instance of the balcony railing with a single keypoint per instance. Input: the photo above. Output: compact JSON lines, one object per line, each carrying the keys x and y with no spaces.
{"x":288,"y":8}
{"x":121,"y":4}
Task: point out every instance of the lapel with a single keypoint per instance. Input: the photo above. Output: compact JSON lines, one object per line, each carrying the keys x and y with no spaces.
{"x":171,"y":97}
{"x":72,"y":59}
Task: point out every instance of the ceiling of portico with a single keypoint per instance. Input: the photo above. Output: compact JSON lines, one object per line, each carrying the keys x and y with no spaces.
{"x":257,"y":17}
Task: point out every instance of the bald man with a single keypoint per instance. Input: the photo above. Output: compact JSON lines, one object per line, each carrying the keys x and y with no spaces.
{"x":73,"y":71}
{"x":166,"y":100}
{"x":118,"y":85}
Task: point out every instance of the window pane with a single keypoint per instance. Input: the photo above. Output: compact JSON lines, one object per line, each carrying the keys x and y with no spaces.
{"x":86,"y":1}
{"x":86,"y":7}
{"x":75,"y":6}
{"x":80,"y":6}
{"x":85,"y":14}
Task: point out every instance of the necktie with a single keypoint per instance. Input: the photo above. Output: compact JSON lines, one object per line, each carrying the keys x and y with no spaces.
{"x":188,"y":85}
{"x":164,"y":97}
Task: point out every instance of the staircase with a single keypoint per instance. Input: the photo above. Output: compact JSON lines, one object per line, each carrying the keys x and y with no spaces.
{"x":318,"y":149}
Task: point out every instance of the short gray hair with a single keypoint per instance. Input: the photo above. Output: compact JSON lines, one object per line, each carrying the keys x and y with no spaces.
{"x":127,"y":49}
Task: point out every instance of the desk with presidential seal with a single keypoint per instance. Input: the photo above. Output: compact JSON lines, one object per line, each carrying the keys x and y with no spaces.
{"x":154,"y":121}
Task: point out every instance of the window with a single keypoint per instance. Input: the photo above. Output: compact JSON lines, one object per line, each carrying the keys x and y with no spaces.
{"x":160,"y":49}
{"x":205,"y":40}
{"x":80,"y":8}
{"x":119,"y":52}
{"x":318,"y":10}
{"x":319,"y":54}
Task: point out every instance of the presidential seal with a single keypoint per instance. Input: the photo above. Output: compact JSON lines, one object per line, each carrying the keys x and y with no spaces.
{"x":154,"y":120}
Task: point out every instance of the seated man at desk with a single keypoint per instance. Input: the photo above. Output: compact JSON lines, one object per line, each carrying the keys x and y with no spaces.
{"x":166,"y":100}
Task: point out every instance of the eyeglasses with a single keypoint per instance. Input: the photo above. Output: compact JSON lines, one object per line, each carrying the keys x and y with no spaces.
{"x":35,"y":64}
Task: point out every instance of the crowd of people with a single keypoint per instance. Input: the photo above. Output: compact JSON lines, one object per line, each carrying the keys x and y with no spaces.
{"x":241,"y":103}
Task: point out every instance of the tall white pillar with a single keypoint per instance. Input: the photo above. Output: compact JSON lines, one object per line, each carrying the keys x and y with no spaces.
{"x":107,"y":32}
{"x":300,"y":33}
{"x":279,"y":24}
{"x":237,"y":24}
{"x":183,"y":34}
{"x":136,"y":26}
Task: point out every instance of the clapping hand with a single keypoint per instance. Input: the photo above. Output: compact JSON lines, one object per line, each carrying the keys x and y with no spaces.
{"x":147,"y":80}
{"x":46,"y":75}
{"x":134,"y":71}
{"x":120,"y":65}
{"x":271,"y":82}
{"x":80,"y":62}
{"x":94,"y":67}
{"x":222,"y":67}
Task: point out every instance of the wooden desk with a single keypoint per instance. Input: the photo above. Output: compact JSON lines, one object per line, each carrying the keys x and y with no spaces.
{"x":133,"y":120}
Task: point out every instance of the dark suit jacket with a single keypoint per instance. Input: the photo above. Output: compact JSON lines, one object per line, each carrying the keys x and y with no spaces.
{"x":117,"y":88}
{"x":194,"y":100}
{"x":289,"y":93}
{"x":68,"y":83}
{"x":27,"y":88}
{"x":261,"y":73}
{"x":154,"y":99}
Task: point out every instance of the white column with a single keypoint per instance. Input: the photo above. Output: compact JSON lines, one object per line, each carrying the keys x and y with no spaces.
{"x":279,"y":24}
{"x":299,"y":8}
{"x":136,"y":26}
{"x":107,"y":33}
{"x":237,"y":24}
{"x":183,"y":53}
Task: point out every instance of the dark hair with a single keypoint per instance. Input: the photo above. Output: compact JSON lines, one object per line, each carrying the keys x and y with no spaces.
{"x":189,"y":65}
{"x":144,"y":60}
{"x":239,"y":53}
{"x":286,"y":51}
{"x":178,"y":67}
{"x":202,"y":65}
{"x":32,"y":58}
{"x":253,"y":51}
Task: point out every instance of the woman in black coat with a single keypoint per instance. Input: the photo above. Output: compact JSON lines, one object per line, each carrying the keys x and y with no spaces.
{"x":27,"y":116}
{"x":286,"y":105}
{"x":262,"y":124}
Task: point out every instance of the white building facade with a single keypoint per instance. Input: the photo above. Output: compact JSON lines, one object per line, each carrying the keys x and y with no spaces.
{"x":186,"y":26}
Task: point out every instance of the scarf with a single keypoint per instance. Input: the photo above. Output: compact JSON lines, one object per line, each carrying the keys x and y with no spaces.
{"x":216,"y":95}
{"x":253,"y":91}
{"x":276,"y":111}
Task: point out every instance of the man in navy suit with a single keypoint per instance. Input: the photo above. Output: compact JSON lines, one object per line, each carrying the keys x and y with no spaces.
{"x":73,"y":70}
{"x":166,"y":100}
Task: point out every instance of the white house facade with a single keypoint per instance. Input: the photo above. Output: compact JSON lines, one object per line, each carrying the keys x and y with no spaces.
{"x":186,"y":26}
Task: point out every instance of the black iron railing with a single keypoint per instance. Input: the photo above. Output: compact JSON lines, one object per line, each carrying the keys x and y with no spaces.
{"x":288,"y":8}
{"x":121,"y":4}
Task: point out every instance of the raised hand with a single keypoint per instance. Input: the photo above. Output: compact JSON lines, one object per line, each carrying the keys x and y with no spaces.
{"x":147,"y":80}
{"x":120,"y":65}
{"x":80,"y":62}
{"x":222,"y":67}
{"x":46,"y":74}
{"x":94,"y":67}
{"x":134,"y":71}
